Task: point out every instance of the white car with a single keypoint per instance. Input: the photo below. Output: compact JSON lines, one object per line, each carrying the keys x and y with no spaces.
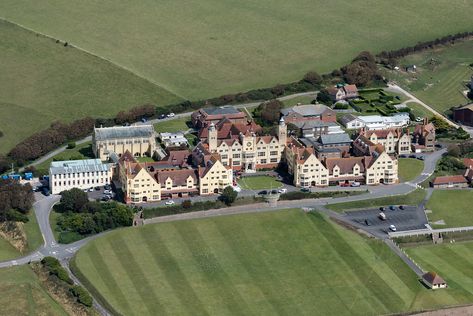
{"x":236,"y":188}
{"x":85,"y":190}
{"x":392,"y":228}
{"x":283,"y":190}
{"x":171,"y":115}
{"x":355,"y":184}
{"x":91,"y":190}
{"x":170,"y":202}
{"x":107,"y":192}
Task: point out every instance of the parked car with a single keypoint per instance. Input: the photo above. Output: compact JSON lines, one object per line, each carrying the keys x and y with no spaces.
{"x":97,"y":188}
{"x":162,"y":116}
{"x":418,"y":119}
{"x":392,"y":207}
{"x":367,"y":222}
{"x":382,"y":216}
{"x":236,"y":188}
{"x":401,"y":207}
{"x":412,"y":156}
{"x":107,"y":187}
{"x":305,"y":190}
{"x":392,"y":228}
{"x":264,"y":192}
{"x":171,"y":114}
{"x":274,"y":192}
{"x":86,"y":190}
{"x":402,"y":156}
{"x":382,"y":209}
{"x":282,"y":191}
{"x":438,"y":145}
{"x":421,"y":158}
{"x":91,"y":190}
{"x":144,"y":120}
{"x":105,"y":198}
{"x":355,"y":184}
{"x":107,"y":192}
{"x":170,"y":202}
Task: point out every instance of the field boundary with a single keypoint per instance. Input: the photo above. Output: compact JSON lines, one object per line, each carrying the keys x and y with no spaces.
{"x":96,"y":56}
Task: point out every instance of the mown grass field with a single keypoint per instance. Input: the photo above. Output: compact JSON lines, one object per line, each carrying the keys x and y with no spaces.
{"x":210,"y":48}
{"x":285,"y":262}
{"x":441,"y":75}
{"x":22,"y":294}
{"x":455,"y":207}
{"x":43,"y":81}
{"x":413,"y":198}
{"x":409,"y":168}
{"x":259,"y":183}
{"x":454,"y":263}
{"x":172,"y":126}
{"x":82,"y":151}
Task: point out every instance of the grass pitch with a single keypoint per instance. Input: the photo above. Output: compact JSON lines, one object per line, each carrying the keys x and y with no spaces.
{"x":441,"y":75}
{"x":259,"y":183}
{"x":409,"y":168}
{"x":43,"y":81}
{"x":285,"y":262}
{"x":22,"y":294}
{"x":213,"y":47}
{"x":454,"y":263}
{"x":454,"y":207}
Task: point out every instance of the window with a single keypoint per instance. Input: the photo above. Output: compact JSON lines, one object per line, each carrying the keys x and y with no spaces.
{"x":274,"y":160}
{"x":273,"y":153}
{"x":205,"y":191}
{"x":236,"y":155}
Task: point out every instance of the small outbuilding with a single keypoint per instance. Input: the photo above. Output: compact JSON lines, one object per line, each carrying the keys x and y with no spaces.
{"x":446,"y":182}
{"x":434,"y":281}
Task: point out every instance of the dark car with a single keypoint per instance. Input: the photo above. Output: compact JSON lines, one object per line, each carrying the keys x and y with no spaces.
{"x":367,"y":222}
{"x":392,"y":207}
{"x":105,"y":198}
{"x":305,"y":190}
{"x":401,"y":207}
{"x":97,"y":188}
{"x":402,"y":156}
{"x":264,"y":192}
{"x":382,"y":209}
{"x":162,"y":116}
{"x":438,"y":145}
{"x":46,"y":191}
{"x":412,"y":156}
{"x":274,"y":192}
{"x":421,"y":158}
{"x":107,"y":187}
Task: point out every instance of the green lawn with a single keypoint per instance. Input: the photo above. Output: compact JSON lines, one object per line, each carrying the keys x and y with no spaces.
{"x":145,"y":159}
{"x":419,"y":111}
{"x":33,"y":233}
{"x":22,"y":294}
{"x":301,"y":99}
{"x":285,"y":262}
{"x":259,"y":183}
{"x":441,"y":75}
{"x":455,"y":207}
{"x":7,"y":251}
{"x":409,"y":168}
{"x":412,"y":198}
{"x":228,"y":46}
{"x":172,"y":126}
{"x":82,"y":151}
{"x":43,"y":81}
{"x":454,"y":263}
{"x":53,"y":222}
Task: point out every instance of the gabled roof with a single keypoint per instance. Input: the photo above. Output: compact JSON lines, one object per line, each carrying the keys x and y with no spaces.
{"x":328,"y":139}
{"x":119,"y":132}
{"x":383,"y":133}
{"x":178,"y":176}
{"x":449,"y":179}
{"x":76,"y":166}
{"x":345,"y":164}
{"x":350,"y":88}
{"x":348,"y":118}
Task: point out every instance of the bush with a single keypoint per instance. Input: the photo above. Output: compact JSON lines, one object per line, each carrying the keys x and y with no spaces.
{"x":54,"y":268}
{"x":69,"y":237}
{"x":186,"y":204}
{"x":82,"y":295}
{"x":340,"y":106}
{"x":71,"y":145}
{"x":15,"y":216}
{"x":229,"y":195}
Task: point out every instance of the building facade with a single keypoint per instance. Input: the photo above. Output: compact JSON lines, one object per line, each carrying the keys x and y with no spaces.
{"x":375,"y":122}
{"x":204,"y":117}
{"x":140,"y":140}
{"x":82,"y":174}
{"x":424,"y":137}
{"x":394,"y":140}
{"x":464,"y":114}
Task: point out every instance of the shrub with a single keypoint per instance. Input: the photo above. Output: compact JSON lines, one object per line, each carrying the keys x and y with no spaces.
{"x":186,"y":204}
{"x":71,"y":145}
{"x":54,"y":267}
{"x":340,"y":106}
{"x":229,"y":195}
{"x":313,"y":78}
{"x":82,"y":295}
{"x":15,"y":216}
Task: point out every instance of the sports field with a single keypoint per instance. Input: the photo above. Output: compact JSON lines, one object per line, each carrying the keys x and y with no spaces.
{"x":259,"y":183}
{"x":172,"y":126}
{"x":409,"y":169}
{"x":453,"y":208}
{"x":441,"y":75}
{"x":285,"y":262}
{"x":43,"y":81}
{"x":22,"y":294}
{"x":454,"y":263}
{"x":213,"y":47}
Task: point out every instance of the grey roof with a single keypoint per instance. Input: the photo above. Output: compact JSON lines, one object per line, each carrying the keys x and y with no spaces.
{"x":119,"y":132}
{"x":348,"y":118}
{"x":335,"y":139}
{"x":221,"y":110}
{"x":76,"y":166}
{"x":313,"y":124}
{"x":312,"y":142}
{"x":306,"y":110}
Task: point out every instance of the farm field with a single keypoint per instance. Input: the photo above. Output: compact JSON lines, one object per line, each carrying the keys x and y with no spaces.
{"x":44,"y":81}
{"x":259,"y":183}
{"x":209,"y":48}
{"x":441,"y":75}
{"x":412,"y":198}
{"x":454,"y":263}
{"x":409,"y":168}
{"x":22,"y":294}
{"x":454,"y":207}
{"x":264,"y":264}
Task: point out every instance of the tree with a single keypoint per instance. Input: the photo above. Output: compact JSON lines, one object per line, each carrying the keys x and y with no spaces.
{"x":362,"y":70}
{"x":71,"y":145}
{"x":324,"y":97}
{"x":229,"y":195}
{"x":73,"y":200}
{"x":294,"y":130}
{"x":454,"y":150}
{"x":269,"y":112}
{"x":313,"y":78}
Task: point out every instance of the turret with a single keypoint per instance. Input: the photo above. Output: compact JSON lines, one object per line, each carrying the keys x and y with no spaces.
{"x":212,"y":138}
{"x":282,"y":133}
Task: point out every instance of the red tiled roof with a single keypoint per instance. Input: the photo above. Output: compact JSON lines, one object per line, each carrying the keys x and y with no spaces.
{"x":449,"y":179}
{"x":397,"y":132}
{"x":345,"y":164}
{"x":468,"y":162}
{"x":178,"y":176}
{"x":351,"y":88}
{"x":433,"y":278}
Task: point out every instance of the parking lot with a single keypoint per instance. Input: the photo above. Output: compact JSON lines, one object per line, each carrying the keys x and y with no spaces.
{"x":410,"y":218}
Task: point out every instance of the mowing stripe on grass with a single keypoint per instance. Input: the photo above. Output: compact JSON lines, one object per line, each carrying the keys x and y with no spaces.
{"x":137,"y":276}
{"x":379,"y":289}
{"x":103,"y":272}
{"x":296,"y":250}
{"x":175,"y":278}
{"x":210,"y":268}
